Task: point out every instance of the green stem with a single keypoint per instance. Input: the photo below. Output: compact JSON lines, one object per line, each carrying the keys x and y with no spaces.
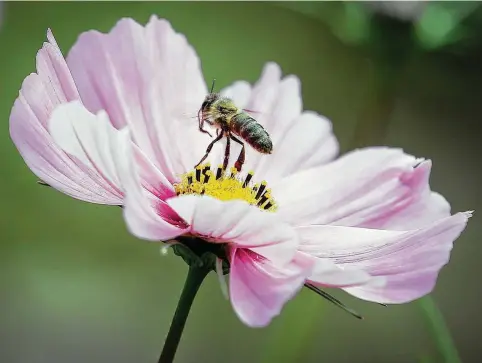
{"x":439,"y":330}
{"x":194,"y":279}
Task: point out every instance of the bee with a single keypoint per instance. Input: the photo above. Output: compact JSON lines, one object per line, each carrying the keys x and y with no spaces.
{"x":229,"y":120}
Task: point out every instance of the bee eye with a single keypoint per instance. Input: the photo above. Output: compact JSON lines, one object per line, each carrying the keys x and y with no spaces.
{"x":204,"y":105}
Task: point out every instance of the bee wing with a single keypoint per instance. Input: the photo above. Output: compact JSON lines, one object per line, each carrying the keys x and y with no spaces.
{"x":259,"y":116}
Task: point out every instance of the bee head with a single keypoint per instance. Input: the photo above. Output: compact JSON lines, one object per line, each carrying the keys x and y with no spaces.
{"x":208,"y":101}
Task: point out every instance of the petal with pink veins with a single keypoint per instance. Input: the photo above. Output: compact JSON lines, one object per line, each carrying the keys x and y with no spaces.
{"x":409,"y":260}
{"x":326,"y":273}
{"x":93,"y":140}
{"x":300,"y":139}
{"x":40,"y":94}
{"x":145,"y":78}
{"x":239,"y":223}
{"x":363,"y":188}
{"x":151,"y":178}
{"x":146,"y":212}
{"x":89,"y":138}
{"x":309,"y":142}
{"x":259,"y":289}
{"x":420,"y":207}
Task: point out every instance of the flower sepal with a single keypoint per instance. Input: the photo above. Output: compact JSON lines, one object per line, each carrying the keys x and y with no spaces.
{"x":199,"y":253}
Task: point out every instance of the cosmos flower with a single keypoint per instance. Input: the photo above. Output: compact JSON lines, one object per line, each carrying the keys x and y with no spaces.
{"x":111,"y":124}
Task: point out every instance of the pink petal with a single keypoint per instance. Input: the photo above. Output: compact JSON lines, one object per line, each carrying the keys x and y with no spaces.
{"x":420,"y":207}
{"x":146,"y":213}
{"x":89,"y":138}
{"x":145,"y":77}
{"x":92,"y":139}
{"x":309,"y":142}
{"x":41,"y":92}
{"x":359,"y":188}
{"x":326,"y":273}
{"x":301,"y":139}
{"x":239,"y":223}
{"x":151,"y":178}
{"x":409,"y":260}
{"x":259,"y":289}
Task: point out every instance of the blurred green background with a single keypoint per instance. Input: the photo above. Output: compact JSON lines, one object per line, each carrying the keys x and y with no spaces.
{"x":76,"y":287}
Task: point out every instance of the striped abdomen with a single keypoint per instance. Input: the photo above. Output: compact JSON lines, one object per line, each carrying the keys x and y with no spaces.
{"x":252,"y":132}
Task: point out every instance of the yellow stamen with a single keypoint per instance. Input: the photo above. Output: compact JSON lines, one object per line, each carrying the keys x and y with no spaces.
{"x":224,"y":185}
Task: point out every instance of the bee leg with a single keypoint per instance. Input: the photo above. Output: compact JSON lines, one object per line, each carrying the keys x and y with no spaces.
{"x":242,"y":155}
{"x":205,"y":131}
{"x":227,"y":151}
{"x":201,"y":123}
{"x":210,"y":146}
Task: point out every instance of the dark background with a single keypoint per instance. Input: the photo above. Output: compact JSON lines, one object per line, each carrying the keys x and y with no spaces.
{"x":77,"y":287}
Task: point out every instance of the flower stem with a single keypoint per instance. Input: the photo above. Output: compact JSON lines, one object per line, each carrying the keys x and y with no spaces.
{"x":439,"y":330}
{"x":194,"y":279}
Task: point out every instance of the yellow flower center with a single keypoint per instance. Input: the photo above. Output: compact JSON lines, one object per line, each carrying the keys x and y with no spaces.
{"x":226,"y":186}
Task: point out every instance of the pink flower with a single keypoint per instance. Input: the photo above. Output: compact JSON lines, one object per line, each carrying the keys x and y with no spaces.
{"x":111,"y":125}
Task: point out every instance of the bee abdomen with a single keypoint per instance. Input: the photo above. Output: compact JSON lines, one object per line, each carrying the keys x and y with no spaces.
{"x":252,"y":132}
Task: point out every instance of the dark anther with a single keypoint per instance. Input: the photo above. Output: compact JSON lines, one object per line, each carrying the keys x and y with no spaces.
{"x":268,"y":205}
{"x":260,"y":191}
{"x":206,"y":177}
{"x":205,"y":173}
{"x":247,"y":180}
{"x":219,"y":172}
{"x":263,"y":199}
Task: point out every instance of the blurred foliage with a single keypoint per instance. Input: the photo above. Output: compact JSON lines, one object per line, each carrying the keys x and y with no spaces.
{"x":434,"y":24}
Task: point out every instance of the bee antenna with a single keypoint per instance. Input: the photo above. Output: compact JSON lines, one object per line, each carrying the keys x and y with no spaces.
{"x":333,"y":300}
{"x":212,"y":86}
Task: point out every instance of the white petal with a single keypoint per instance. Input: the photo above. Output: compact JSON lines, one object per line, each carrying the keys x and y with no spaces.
{"x":309,"y":142}
{"x":420,"y":206}
{"x":239,"y":92}
{"x":147,"y":214}
{"x":360,"y":187}
{"x":236,"y":221}
{"x":401,"y":257}
{"x":276,"y":104}
{"x":145,"y":77}
{"x":41,"y":93}
{"x":327,"y":273}
{"x":88,"y":137}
